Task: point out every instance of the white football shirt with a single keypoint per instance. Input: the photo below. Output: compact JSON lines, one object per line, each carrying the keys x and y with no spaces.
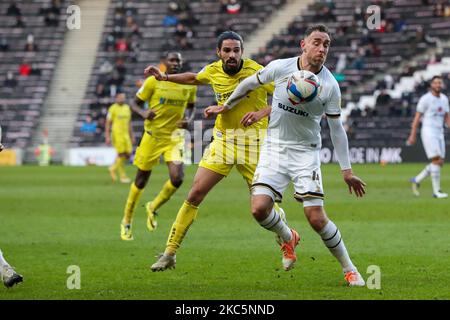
{"x":433,"y":109}
{"x":298,"y":124}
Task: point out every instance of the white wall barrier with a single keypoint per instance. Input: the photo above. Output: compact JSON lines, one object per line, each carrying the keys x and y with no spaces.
{"x":99,"y":156}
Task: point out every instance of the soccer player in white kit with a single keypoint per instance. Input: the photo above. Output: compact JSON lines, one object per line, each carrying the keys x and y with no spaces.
{"x":433,"y":107}
{"x":7,"y":273}
{"x":291,"y":150}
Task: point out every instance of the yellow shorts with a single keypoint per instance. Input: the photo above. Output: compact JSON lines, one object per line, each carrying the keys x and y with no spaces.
{"x":122,"y":143}
{"x":222,"y":154}
{"x":150,"y":149}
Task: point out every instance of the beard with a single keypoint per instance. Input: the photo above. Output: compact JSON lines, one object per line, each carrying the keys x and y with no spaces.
{"x":232,"y":70}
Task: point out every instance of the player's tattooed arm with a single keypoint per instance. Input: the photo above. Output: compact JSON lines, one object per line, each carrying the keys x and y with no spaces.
{"x":138,"y":107}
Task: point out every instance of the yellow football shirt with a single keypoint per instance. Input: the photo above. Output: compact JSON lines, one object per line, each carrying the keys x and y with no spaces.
{"x":169,"y":101}
{"x":223,"y":86}
{"x":120,"y":115}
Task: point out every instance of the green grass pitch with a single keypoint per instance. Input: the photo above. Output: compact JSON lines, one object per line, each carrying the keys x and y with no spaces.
{"x":54,"y":217}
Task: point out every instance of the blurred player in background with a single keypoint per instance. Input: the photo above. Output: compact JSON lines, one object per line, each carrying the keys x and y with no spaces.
{"x":165,"y":115}
{"x":118,"y":130}
{"x":291,"y":149}
{"x":7,"y":273}
{"x":433,"y":107}
{"x":223,"y":76}
{"x":1,"y":146}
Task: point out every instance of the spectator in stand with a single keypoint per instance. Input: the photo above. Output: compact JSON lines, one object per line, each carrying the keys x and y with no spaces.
{"x":341,"y":63}
{"x":170,"y":20}
{"x":110,"y":43}
{"x":182,"y":36}
{"x":4,"y":46}
{"x":132,"y":27}
{"x":231,"y":6}
{"x":35,"y":70}
{"x":10,"y":81}
{"x":100,"y":90}
{"x":388,"y":81}
{"x":19,"y":22}
{"x":51,"y":13}
{"x":439,"y":9}
{"x":25,"y":69}
{"x":120,"y":67}
{"x":30,"y":45}
{"x":358,"y":63}
{"x":117,"y":32}
{"x":383,"y":99}
{"x":89,"y":127}
{"x":119,"y":19}
{"x":106,"y":68}
{"x":13,"y":10}
{"x":122,"y":45}
{"x":224,"y":25}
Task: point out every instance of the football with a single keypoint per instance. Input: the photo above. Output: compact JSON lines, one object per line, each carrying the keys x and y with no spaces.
{"x":302,"y":87}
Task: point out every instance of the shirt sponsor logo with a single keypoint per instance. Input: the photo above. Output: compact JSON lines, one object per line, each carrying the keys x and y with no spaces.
{"x":293,"y":110}
{"x":172,"y":102}
{"x":222,"y":97}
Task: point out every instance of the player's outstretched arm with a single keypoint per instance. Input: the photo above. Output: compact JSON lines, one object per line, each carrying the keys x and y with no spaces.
{"x":182,"y":78}
{"x":241,"y":91}
{"x":215,"y":109}
{"x":413,"y":134}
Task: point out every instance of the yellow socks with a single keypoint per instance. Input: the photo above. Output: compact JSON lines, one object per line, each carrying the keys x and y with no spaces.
{"x":164,"y":195}
{"x":120,"y":166}
{"x":185,"y":218}
{"x":132,"y":200}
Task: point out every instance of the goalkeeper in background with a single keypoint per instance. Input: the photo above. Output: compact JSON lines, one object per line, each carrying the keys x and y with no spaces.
{"x":118,"y":130}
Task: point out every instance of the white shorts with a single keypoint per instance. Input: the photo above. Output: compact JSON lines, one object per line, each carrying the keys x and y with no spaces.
{"x":279,"y":165}
{"x":434,"y":144}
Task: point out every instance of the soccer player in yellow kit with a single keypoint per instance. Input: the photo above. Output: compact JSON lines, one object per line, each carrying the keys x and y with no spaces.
{"x":119,"y":131}
{"x":165,"y":116}
{"x":223,"y":75}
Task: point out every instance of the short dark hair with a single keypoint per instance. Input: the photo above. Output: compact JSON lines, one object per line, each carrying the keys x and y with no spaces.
{"x":166,"y":54}
{"x":317,"y":27}
{"x":229,"y":35}
{"x":435,"y":77}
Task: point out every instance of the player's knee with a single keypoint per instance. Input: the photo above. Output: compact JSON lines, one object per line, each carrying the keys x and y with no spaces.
{"x":177,"y":180}
{"x":316,"y":218}
{"x":196,"y":195}
{"x":142,"y":179}
{"x":259,"y":211}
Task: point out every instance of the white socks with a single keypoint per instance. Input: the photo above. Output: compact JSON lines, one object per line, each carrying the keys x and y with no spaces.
{"x":435,"y":171}
{"x":423,"y":174}
{"x":2,"y":260}
{"x":331,"y":237}
{"x":275,"y":224}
